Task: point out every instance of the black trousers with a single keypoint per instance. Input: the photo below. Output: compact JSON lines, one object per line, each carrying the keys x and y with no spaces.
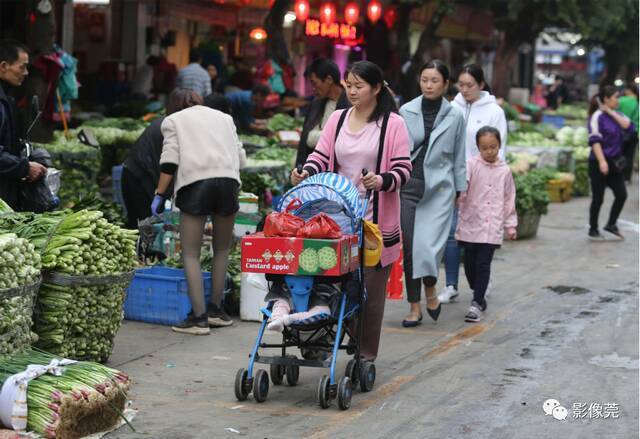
{"x":599,"y":182}
{"x":136,"y":200}
{"x":629,"y":150}
{"x":477,"y":268}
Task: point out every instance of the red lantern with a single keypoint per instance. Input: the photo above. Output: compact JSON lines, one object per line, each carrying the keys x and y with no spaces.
{"x":351,"y":13}
{"x":374,"y":10}
{"x":328,"y":13}
{"x":390,"y":17}
{"x":301,"y":8}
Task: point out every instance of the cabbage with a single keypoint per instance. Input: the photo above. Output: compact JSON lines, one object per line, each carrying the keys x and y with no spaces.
{"x":580,"y":136}
{"x":565,"y":136}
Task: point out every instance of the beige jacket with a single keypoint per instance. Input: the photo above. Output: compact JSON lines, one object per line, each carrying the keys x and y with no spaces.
{"x":203,"y":143}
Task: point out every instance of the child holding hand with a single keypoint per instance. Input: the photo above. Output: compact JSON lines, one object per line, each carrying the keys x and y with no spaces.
{"x":486,"y":212}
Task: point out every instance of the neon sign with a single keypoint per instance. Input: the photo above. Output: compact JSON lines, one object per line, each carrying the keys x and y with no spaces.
{"x":315,"y":28}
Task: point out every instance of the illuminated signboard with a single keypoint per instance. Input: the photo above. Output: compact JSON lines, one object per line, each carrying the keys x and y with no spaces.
{"x":314,"y":28}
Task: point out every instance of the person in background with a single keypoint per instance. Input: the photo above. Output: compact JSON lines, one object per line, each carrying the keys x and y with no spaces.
{"x":143,"y":81}
{"x":428,"y":199}
{"x":194,"y":76}
{"x":142,"y":165}
{"x":537,"y":96}
{"x":324,"y":76}
{"x":628,"y":105}
{"x":202,"y":156}
{"x":487,"y":211}
{"x":14,"y":58}
{"x":370,"y":135}
{"x":217,"y":85}
{"x":607,"y":128}
{"x":244,"y":103}
{"x":557,"y":94}
{"x":479,"y":108}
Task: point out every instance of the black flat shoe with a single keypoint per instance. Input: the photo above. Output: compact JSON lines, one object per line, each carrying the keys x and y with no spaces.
{"x":411,"y":323}
{"x":435,"y":313}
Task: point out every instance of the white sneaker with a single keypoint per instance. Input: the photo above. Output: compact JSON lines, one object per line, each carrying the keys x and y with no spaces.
{"x":448,"y":295}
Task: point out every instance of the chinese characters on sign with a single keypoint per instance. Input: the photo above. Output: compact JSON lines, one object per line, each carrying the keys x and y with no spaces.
{"x":314,"y":28}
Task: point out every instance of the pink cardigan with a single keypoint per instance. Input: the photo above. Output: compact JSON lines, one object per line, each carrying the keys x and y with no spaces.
{"x":488,"y":208}
{"x":394,"y":168}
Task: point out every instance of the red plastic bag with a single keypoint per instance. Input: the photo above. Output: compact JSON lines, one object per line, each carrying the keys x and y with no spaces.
{"x":283,"y":223}
{"x":320,"y":226}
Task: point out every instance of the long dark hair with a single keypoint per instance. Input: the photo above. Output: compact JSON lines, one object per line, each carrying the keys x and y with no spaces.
{"x":372,"y":75}
{"x":439,"y":66}
{"x":605,"y":92}
{"x":478,"y":74}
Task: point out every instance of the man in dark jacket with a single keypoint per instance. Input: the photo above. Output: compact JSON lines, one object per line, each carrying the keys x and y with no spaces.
{"x":13,"y":166}
{"x":324,"y":76}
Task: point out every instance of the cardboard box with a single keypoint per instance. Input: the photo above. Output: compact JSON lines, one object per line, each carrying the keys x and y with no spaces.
{"x":304,"y":257}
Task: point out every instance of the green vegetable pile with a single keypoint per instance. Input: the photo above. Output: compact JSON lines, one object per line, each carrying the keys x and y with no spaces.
{"x":79,"y":164}
{"x":581,"y":185}
{"x":112,"y":212}
{"x":573,"y":111}
{"x":19,"y":277}
{"x":568,"y":136}
{"x":287,"y":155}
{"x":79,"y":322}
{"x":84,"y":399}
{"x":254,"y":140}
{"x":532,"y":138}
{"x":532,"y":197}
{"x":283,"y":122}
{"x":4,"y":207}
{"x":84,"y":243}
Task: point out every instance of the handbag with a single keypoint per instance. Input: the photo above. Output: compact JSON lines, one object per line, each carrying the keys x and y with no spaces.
{"x":619,"y":164}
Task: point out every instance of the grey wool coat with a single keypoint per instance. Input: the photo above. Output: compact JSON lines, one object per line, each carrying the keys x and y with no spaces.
{"x":444,"y":174}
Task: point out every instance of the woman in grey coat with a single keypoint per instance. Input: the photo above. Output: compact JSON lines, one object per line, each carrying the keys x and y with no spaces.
{"x":439,"y":175}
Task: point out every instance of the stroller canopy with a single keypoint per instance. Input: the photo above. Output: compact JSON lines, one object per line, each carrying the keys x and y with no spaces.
{"x":330,"y":187}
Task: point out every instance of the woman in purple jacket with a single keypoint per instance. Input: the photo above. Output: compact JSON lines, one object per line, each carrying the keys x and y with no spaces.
{"x":607,"y":128}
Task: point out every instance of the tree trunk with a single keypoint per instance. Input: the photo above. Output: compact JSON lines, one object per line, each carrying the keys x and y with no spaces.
{"x":506,"y":57}
{"x":276,"y":44}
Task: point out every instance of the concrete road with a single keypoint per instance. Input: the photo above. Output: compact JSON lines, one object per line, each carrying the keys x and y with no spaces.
{"x":562,"y":324}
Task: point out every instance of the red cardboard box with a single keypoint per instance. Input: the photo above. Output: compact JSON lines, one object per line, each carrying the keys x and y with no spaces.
{"x":301,"y":256}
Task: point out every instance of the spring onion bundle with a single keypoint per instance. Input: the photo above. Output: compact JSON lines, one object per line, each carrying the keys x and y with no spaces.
{"x":86,"y":398}
{"x":19,"y":279}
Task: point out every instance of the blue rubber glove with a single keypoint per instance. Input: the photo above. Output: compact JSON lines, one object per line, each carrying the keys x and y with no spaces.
{"x":157,"y":205}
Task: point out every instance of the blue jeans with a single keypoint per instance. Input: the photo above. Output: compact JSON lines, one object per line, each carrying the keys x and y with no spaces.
{"x":452,"y":254}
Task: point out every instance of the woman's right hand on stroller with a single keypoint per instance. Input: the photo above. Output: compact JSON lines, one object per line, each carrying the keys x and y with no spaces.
{"x":297,"y":175}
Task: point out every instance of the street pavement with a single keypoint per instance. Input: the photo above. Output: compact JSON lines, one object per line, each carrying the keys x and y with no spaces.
{"x":562,"y":324}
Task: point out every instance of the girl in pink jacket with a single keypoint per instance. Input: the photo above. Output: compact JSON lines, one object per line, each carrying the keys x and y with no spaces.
{"x":486,"y":211}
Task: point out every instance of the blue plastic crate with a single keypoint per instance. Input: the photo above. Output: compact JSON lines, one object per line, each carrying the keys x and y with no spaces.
{"x":116,"y":187}
{"x":160,"y":295}
{"x":552,"y":119}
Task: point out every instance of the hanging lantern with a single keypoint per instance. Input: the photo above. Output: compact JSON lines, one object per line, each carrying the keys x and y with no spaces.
{"x":258,"y":34}
{"x":374,"y":10}
{"x":390,"y":17}
{"x":328,"y":13}
{"x":351,"y":13}
{"x":301,"y":8}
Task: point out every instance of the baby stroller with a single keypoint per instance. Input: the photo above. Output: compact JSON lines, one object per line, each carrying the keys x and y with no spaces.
{"x":320,"y":337}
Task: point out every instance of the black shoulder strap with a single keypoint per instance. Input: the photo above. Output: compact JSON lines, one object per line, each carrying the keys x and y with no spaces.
{"x":343,"y":116}
{"x":383,"y":132}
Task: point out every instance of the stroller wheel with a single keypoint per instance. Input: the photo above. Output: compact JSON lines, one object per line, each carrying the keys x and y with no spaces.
{"x":241,"y":387}
{"x":367,"y":375}
{"x":323,"y":394}
{"x":352,"y":372}
{"x":293,"y":373}
{"x":261,"y":386}
{"x":345,"y":390}
{"x":277,"y":373}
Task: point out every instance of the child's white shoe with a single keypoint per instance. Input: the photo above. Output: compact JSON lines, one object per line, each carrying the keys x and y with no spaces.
{"x":276,"y":325}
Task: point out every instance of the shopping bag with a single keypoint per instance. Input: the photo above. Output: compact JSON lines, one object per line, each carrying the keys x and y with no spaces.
{"x":320,"y":226}
{"x":283,"y":223}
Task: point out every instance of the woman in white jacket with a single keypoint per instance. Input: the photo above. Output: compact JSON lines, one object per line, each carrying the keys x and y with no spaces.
{"x":479,"y":108}
{"x":201,"y":150}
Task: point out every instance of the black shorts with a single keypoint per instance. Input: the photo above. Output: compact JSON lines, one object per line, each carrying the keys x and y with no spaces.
{"x":213,"y":196}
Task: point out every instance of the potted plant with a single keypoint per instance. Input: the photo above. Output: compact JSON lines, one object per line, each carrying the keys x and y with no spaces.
{"x":532,"y":201}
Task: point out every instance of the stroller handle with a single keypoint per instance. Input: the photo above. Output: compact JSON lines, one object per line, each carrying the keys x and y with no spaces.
{"x":367,"y":195}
